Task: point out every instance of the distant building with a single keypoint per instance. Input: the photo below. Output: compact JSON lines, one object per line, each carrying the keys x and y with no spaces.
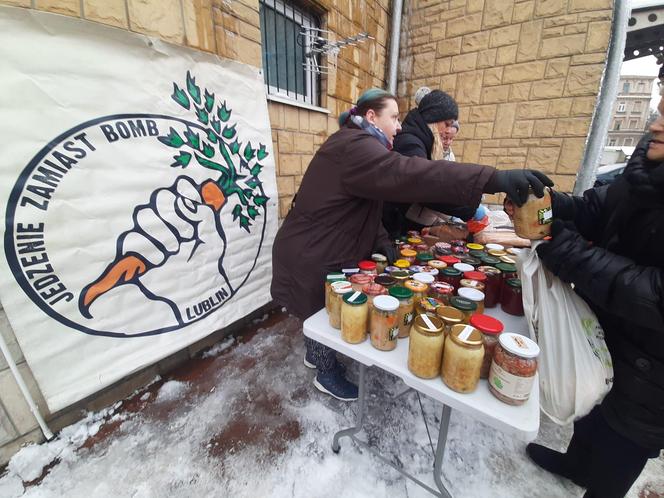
{"x":630,"y":111}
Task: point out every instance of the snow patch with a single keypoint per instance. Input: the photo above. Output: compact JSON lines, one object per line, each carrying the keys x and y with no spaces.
{"x":219,"y":347}
{"x":171,"y":390}
{"x":11,"y":486}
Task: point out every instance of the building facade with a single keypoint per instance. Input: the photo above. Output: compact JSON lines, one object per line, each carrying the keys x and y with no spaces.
{"x":630,"y":111}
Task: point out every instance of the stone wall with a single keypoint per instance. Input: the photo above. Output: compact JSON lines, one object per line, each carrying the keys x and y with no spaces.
{"x":525,"y":74}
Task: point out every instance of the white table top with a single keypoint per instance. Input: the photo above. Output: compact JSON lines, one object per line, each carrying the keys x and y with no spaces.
{"x":521,"y":421}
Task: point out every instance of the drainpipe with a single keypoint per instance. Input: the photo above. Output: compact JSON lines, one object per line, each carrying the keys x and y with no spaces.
{"x":607,"y":96}
{"x":397,"y":7}
{"x":24,"y":389}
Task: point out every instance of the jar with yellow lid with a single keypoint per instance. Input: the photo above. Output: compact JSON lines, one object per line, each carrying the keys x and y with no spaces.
{"x":354,"y":317}
{"x":402,"y":264}
{"x":406,"y":311}
{"x":338,"y":290}
{"x":413,"y":241}
{"x":329,"y":279}
{"x":462,"y":358}
{"x":409,"y":255}
{"x":474,"y":246}
{"x":419,"y":289}
{"x":384,"y":329}
{"x":425,"y":348}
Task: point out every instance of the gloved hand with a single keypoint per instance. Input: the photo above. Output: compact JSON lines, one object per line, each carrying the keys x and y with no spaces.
{"x":516,"y":182}
{"x":560,"y":255}
{"x":389,"y":251}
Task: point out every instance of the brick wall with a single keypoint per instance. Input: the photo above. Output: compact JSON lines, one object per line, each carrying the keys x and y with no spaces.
{"x":525,"y":74}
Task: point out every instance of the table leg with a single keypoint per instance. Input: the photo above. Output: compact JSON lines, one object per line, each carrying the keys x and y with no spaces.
{"x":440,"y":451}
{"x":360,"y":414}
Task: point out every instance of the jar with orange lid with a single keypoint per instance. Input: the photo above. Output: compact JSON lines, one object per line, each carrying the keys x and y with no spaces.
{"x":354,"y":317}
{"x":329,"y":279}
{"x":490,"y":328}
{"x":419,"y":289}
{"x":408,"y":255}
{"x":359,"y":280}
{"x":383,"y":326}
{"x":462,"y":358}
{"x":425,"y":348}
{"x":513,"y":368}
{"x":413,"y":241}
{"x":406,"y":311}
{"x":339,"y":289}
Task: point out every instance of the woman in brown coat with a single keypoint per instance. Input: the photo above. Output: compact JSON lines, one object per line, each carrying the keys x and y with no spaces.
{"x":336,"y":219}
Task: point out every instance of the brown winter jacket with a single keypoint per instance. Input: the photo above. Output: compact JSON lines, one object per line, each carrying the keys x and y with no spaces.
{"x":336,"y":220}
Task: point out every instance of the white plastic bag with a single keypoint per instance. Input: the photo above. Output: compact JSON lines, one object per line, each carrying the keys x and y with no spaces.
{"x":575,"y":368}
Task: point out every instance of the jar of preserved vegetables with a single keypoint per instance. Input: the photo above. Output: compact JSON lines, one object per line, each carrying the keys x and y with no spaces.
{"x":338,"y":290}
{"x":490,"y":328}
{"x":384,"y":329}
{"x":437,"y":264}
{"x":402,"y":264}
{"x":462,"y":358}
{"x":425,"y":348}
{"x":419,"y":289}
{"x":381,"y":262}
{"x":423,"y":258}
{"x":406,"y":311}
{"x":329,"y":279}
{"x":473,"y":246}
{"x":513,"y":368}
{"x":450,"y":317}
{"x":471,"y":284}
{"x":354,"y":317}
{"x":408,"y":255}
{"x":359,"y":280}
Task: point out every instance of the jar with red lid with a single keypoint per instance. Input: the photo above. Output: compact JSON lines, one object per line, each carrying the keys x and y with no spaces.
{"x":492,"y":285}
{"x":359,"y":280}
{"x":475,"y":275}
{"x":449,"y":260}
{"x":372,"y":290}
{"x":441,"y":291}
{"x":450,"y":275}
{"x":490,"y":328}
{"x":408,"y":255}
{"x":511,"y":300}
{"x":464,"y":305}
{"x":367,"y":266}
{"x":513,"y":368}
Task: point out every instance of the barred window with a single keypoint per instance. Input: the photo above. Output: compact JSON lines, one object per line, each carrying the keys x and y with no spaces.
{"x":285,"y":67}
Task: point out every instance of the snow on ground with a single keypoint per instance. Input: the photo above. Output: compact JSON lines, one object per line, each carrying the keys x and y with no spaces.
{"x":248,"y":423}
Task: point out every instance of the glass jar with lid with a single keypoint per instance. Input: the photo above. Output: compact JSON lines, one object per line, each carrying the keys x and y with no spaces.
{"x":462,"y":358}
{"x":384,"y":329}
{"x":490,"y":328}
{"x":386,"y":281}
{"x":354,"y":317}
{"x":425,"y":348}
{"x":348,"y":272}
{"x":463,"y":267}
{"x":329,"y":279}
{"x":368,"y":267}
{"x":496,"y":252}
{"x":490,"y":260}
{"x":359,"y":280}
{"x":472,"y":284}
{"x":449,"y":260}
{"x":338,"y":290}
{"x":474,"y":246}
{"x":437,"y":264}
{"x":508,"y":272}
{"x":513,"y":368}
{"x":464,"y":305}
{"x":476,"y":254}
{"x":401,"y":276}
{"x":511,"y":298}
{"x":415,"y":240}
{"x":424,"y":277}
{"x":402,"y":264}
{"x":381,"y":262}
{"x":475,"y":275}
{"x":492,"y":285}
{"x":372,"y":290}
{"x":532,"y":220}
{"x":495,"y":247}
{"x":423,"y":258}
{"x":406,"y":311}
{"x":451,"y":276}
{"x":427,"y":306}
{"x":408,"y":255}
{"x":441,"y":291}
{"x":442,"y":248}
{"x":419,"y":289}
{"x":508,"y":259}
{"x":450,"y":317}
{"x":474,"y":295}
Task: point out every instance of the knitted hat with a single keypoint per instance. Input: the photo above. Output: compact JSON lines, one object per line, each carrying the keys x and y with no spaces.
{"x":420,"y":93}
{"x":438,"y":106}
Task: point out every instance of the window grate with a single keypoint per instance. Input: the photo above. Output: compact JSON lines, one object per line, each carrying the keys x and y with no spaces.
{"x":285,"y":52}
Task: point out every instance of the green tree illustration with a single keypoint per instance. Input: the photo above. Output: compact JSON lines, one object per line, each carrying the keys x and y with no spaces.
{"x":219,"y":148}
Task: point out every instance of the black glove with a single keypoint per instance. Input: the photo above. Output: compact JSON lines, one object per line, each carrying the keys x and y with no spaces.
{"x":560,"y":254}
{"x":389,"y":251}
{"x":562,"y":205}
{"x":516,"y":182}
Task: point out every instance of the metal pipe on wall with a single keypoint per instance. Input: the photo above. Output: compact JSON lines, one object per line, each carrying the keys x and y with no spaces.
{"x":607,"y":96}
{"x":24,"y":389}
{"x":397,"y":7}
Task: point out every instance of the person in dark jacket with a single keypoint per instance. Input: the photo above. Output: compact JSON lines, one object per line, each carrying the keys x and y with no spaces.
{"x":336,"y":219}
{"x":422,"y":134}
{"x":609,"y":245}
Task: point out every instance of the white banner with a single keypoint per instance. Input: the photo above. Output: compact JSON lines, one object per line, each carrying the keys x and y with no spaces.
{"x":139,"y":193}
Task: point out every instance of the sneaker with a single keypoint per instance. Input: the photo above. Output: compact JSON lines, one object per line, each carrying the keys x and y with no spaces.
{"x":309,"y":363}
{"x":554,"y":462}
{"x":336,"y":385}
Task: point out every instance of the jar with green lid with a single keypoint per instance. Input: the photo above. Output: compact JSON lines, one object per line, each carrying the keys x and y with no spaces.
{"x":338,"y":290}
{"x":354,"y":317}
{"x":406,"y":311}
{"x":383,"y":326}
{"x":425,"y":348}
{"x":490,"y":260}
{"x":381,"y":262}
{"x":450,"y":275}
{"x":423,"y":258}
{"x":329,"y":279}
{"x":507,"y":271}
{"x":401,"y":276}
{"x":466,"y":306}
{"x":475,"y":253}
{"x":511,"y":299}
{"x":462,"y":358}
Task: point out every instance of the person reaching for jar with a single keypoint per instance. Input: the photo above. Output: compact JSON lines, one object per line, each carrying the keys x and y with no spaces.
{"x":608,"y":243}
{"x":336,"y":220}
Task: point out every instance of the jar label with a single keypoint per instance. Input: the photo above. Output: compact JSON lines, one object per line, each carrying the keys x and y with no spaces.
{"x":465,"y":333}
{"x":393,"y":333}
{"x":510,"y":385}
{"x":408,"y":318}
{"x":355,"y":295}
{"x":428,"y":323}
{"x":545,"y":216}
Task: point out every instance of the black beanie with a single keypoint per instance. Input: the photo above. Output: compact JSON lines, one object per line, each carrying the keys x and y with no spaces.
{"x":438,"y":106}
